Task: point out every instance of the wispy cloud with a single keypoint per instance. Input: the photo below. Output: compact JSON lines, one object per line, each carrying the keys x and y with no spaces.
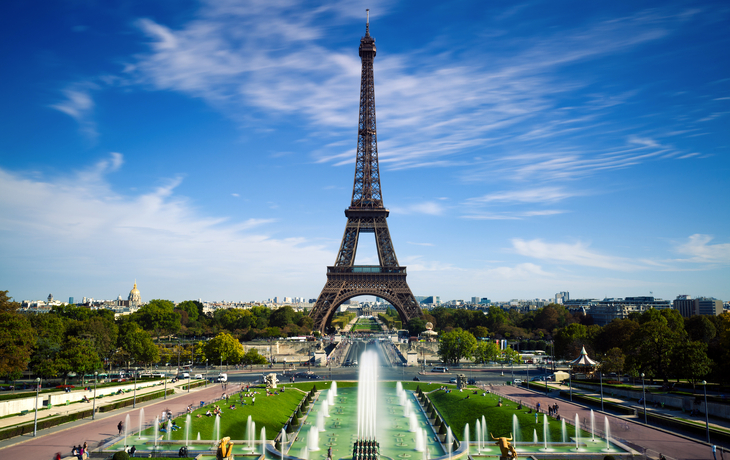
{"x":427,"y":207}
{"x":79,"y":105}
{"x":434,"y":109}
{"x":578,"y":253}
{"x":531,"y":195}
{"x":699,"y":250}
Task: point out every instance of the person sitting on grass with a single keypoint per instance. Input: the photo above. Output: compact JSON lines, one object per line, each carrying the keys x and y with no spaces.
{"x":208,"y":414}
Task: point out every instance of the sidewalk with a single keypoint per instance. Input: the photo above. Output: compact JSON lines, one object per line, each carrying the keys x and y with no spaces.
{"x":666,"y":411}
{"x":54,"y":411}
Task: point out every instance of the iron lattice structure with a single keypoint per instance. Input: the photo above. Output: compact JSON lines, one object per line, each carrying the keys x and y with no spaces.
{"x":366,"y":214}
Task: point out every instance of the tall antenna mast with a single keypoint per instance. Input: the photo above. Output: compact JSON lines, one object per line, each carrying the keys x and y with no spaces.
{"x":367,"y":22}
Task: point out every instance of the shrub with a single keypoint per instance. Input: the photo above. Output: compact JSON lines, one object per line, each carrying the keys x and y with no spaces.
{"x":442,"y":430}
{"x":121,"y":455}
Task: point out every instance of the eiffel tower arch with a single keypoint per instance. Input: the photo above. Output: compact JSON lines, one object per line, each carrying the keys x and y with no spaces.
{"x":366,"y":214}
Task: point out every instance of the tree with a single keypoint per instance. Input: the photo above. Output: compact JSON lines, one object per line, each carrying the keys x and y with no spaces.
{"x":485,"y":352}
{"x":613,"y":361}
{"x":17,"y":337}
{"x":135,"y":344}
{"x":511,"y":355}
{"x":615,"y":334}
{"x":653,"y":344}
{"x":191,"y":307}
{"x":77,"y":355}
{"x":455,"y":345}
{"x":700,"y":328}
{"x":281,"y":317}
{"x":691,"y":361}
{"x":570,"y":339}
{"x":252,"y":356}
{"x":159,"y":316}
{"x":479,"y":332}
{"x":416,"y":326}
{"x":224,"y":347}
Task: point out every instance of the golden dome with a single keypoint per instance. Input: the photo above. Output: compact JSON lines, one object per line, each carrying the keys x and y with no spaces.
{"x":134,"y":295}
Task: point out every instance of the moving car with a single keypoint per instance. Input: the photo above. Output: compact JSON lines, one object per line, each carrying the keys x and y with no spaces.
{"x":452,"y":380}
{"x":198,"y":376}
{"x":222,"y":378}
{"x":440,"y":369}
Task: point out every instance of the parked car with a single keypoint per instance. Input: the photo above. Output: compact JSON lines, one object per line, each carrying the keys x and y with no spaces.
{"x":471,"y":382}
{"x":440,"y":369}
{"x":198,"y":376}
{"x":517,"y":381}
{"x":452,"y":380}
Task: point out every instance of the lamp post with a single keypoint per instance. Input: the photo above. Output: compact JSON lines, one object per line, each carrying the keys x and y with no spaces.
{"x":528,"y":376}
{"x":35,"y":420}
{"x":206,"y":372}
{"x":707,"y":419}
{"x":93,"y":409}
{"x":600,"y":375}
{"x":165,"y":397}
{"x":134,"y":400}
{"x":570,"y":383}
{"x":189,"y":381}
{"x":643,"y":396}
{"x":178,"y":357}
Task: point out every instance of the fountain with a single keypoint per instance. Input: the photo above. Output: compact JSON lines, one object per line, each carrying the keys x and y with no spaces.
{"x":126,"y":429}
{"x":157,"y":430}
{"x":330,"y":398}
{"x":304,"y":453}
{"x":217,"y":428}
{"x":250,"y":432}
{"x":313,"y":439}
{"x":515,"y":430}
{"x":484,"y":435}
{"x":534,"y":436}
{"x":545,"y":432}
{"x":320,"y":421}
{"x":169,"y":429}
{"x":413,"y":423}
{"x":478,"y":431}
{"x":607,"y":433}
{"x":593,"y":427}
{"x":263,"y":442}
{"x":188,"y":424}
{"x":466,"y":439}
{"x":564,"y":431}
{"x":577,"y":433}
{"x":420,"y":442}
{"x":198,"y":435}
{"x":325,"y":408}
{"x":334,"y":389}
{"x":141,"y":422}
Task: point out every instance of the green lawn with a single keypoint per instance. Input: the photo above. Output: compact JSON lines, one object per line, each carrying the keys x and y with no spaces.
{"x":270,"y":412}
{"x":458,"y":411}
{"x":366,"y":325}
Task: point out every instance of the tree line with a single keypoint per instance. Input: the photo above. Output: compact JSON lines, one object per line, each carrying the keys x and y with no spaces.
{"x":658,"y":343}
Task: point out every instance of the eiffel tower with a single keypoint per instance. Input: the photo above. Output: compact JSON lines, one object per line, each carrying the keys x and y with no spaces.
{"x":366,"y":214}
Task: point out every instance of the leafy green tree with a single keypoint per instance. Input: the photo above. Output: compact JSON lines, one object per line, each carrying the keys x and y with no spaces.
{"x":616,"y":334}
{"x":691,"y":361}
{"x":510,"y":355}
{"x":224,"y":347}
{"x":485,"y":352}
{"x":17,"y":337}
{"x":653,"y":344}
{"x":281,"y":317}
{"x":77,"y":355}
{"x":613,"y":361}
{"x":416,"y":326}
{"x":252,"y":356}
{"x":306,"y":323}
{"x":479,"y":332}
{"x":190,"y":307}
{"x":570,"y":339}
{"x":135,"y":344}
{"x":159,"y":316}
{"x":456,"y":345}
{"x":700,"y":328}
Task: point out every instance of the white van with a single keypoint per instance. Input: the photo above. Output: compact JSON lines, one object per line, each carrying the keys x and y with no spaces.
{"x":440,"y":369}
{"x":222,"y":378}
{"x":184,"y":375}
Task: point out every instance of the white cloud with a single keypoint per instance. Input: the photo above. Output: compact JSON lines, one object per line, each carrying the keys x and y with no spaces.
{"x":79,"y":105}
{"x":427,"y":207}
{"x":272,"y":57}
{"x":114,"y":236}
{"x":699,"y":250}
{"x":574,"y":254}
{"x":531,"y":195}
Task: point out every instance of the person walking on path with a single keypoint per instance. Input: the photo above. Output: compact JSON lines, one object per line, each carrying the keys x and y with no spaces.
{"x":120,"y":426}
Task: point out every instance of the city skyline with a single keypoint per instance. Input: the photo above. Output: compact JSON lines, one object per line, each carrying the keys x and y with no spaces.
{"x":207,"y":149}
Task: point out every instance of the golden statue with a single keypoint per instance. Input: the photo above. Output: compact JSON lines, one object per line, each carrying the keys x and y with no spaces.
{"x":505,"y":447}
{"x":225,"y":449}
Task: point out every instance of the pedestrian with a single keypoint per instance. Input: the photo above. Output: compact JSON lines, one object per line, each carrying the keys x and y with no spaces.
{"x":538,"y":406}
{"x":120,"y":425}
{"x":253,"y":400}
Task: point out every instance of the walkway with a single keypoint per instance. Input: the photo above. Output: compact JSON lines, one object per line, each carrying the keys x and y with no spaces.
{"x":104,"y":428}
{"x":636,"y":435}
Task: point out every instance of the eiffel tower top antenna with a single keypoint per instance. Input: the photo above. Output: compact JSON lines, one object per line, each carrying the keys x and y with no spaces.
{"x":367,"y":23}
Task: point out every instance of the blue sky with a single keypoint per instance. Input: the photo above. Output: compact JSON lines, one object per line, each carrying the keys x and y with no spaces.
{"x":206,"y":149}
